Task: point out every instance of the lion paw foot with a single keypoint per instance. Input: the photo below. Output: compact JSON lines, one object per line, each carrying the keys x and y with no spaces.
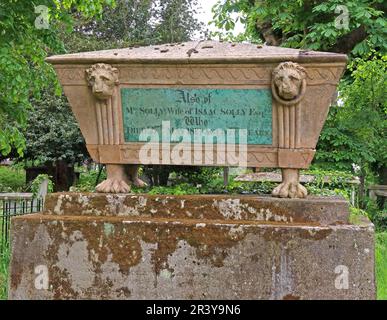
{"x":113,"y":186}
{"x":290,"y":190}
{"x":139,"y":183}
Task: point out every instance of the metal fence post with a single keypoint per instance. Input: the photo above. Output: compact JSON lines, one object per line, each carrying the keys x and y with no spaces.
{"x":15,"y":205}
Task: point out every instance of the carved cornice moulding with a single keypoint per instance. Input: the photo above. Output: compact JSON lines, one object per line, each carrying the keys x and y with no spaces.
{"x":249,"y":75}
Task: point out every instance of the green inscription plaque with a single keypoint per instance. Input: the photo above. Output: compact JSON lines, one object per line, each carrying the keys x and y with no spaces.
{"x":190,"y":109}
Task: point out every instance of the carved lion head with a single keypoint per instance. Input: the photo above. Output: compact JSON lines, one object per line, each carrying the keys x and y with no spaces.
{"x":102,"y":78}
{"x":288,"y":78}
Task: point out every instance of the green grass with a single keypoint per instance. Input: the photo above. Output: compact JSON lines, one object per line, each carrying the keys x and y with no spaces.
{"x":381,"y":265}
{"x":12,"y":179}
{"x":4,"y":261}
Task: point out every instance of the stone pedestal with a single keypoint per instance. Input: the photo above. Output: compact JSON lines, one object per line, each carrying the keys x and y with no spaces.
{"x":103,"y":246}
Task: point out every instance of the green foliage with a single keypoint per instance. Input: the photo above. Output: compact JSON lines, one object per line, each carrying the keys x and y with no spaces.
{"x":358,"y":212}
{"x":87,"y":181}
{"x":215,"y":186}
{"x":52,"y":132}
{"x":4,"y":262}
{"x":35,"y":185}
{"x":381,"y":265}
{"x":378,"y":216}
{"x":23,"y":48}
{"x":330,"y":182}
{"x":357,"y":215}
{"x":12,"y":179}
{"x":133,"y":22}
{"x":308,"y":24}
{"x":210,"y":181}
{"x":332,"y":178}
{"x":200,"y":175}
{"x":315,"y":190}
{"x":356,"y":131}
{"x":180,"y":189}
{"x":177,"y":21}
{"x":126,"y":23}
{"x":365,"y":105}
{"x":336,"y":149}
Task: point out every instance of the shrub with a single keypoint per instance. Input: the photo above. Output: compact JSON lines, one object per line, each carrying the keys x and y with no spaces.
{"x":87,"y":181}
{"x":12,"y":179}
{"x":377,"y":216}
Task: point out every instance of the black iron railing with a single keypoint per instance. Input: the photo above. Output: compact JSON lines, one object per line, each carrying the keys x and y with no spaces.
{"x":14,"y":207}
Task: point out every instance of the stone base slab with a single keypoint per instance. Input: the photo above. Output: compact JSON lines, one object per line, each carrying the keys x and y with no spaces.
{"x":312,"y":210}
{"x":56,"y":256}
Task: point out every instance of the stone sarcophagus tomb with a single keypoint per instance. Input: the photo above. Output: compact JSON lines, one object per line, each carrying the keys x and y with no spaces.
{"x":262,"y":106}
{"x":253,"y":106}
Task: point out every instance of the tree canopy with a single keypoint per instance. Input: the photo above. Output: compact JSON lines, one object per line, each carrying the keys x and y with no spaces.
{"x":28,"y":33}
{"x":355,"y":26}
{"x":356,"y":131}
{"x":133,"y":22}
{"x":52,"y":133}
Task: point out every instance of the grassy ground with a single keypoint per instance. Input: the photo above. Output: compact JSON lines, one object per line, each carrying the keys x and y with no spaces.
{"x":12,"y":179}
{"x":381,"y":265}
{"x":4,"y":260}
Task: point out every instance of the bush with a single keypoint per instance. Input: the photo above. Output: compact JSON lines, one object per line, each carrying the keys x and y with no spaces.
{"x":355,"y":132}
{"x":210,"y":181}
{"x":180,"y":189}
{"x":87,"y":181}
{"x":12,"y":179}
{"x":377,"y":216}
{"x":36,"y":183}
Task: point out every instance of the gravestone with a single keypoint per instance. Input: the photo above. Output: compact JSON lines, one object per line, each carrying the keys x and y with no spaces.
{"x":197,"y":103}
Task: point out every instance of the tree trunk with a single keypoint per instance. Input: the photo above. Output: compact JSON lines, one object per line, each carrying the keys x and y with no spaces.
{"x":64,"y":176}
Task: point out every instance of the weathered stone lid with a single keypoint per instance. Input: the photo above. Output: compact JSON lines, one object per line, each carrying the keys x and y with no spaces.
{"x":198,"y":52}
